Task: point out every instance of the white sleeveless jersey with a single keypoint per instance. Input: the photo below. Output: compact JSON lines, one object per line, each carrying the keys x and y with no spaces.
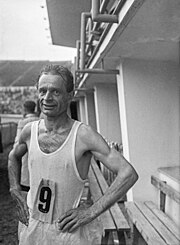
{"x":55,"y":188}
{"x":59,"y":167}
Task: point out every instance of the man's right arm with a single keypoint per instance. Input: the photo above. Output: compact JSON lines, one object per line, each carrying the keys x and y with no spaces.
{"x":19,"y":129}
{"x":14,"y":172}
{"x":14,"y":165}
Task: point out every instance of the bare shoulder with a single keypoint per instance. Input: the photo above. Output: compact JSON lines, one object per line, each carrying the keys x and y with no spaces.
{"x":85,"y":130}
{"x":25,"y":133}
{"x":91,"y":139}
{"x":86,"y":133}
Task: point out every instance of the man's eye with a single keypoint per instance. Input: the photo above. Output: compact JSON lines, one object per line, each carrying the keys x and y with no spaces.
{"x":42,"y":92}
{"x":56,"y":92}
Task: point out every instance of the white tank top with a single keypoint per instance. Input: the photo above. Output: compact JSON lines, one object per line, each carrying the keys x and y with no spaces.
{"x":59,"y":167}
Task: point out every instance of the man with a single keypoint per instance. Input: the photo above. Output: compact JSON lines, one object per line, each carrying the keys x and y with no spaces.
{"x":60,"y":150}
{"x":29,"y":116}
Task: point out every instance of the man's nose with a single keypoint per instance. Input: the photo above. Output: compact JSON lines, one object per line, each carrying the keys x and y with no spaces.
{"x":48,"y":95}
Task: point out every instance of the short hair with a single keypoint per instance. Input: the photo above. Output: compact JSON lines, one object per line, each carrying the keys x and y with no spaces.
{"x":61,"y":71}
{"x":30,"y":105}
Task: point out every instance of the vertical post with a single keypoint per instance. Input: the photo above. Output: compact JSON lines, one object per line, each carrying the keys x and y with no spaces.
{"x":162,"y":200}
{"x":84,"y":16}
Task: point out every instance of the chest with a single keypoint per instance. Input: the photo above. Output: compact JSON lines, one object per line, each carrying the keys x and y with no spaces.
{"x":49,"y":143}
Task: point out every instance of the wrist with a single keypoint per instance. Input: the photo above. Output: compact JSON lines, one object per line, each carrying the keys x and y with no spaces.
{"x":95,"y":210}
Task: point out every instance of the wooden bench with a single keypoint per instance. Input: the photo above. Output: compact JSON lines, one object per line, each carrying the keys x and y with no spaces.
{"x":155,"y":227}
{"x":114,"y":222}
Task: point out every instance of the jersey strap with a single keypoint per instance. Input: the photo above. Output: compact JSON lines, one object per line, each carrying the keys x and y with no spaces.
{"x":44,"y":201}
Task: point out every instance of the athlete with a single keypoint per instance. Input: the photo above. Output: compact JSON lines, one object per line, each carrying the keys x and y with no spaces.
{"x":60,"y":151}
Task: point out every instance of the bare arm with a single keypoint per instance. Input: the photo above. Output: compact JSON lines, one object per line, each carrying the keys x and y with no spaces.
{"x":126,"y":178}
{"x":112,"y":159}
{"x":14,"y":164}
{"x":14,"y":172}
{"x":19,"y":129}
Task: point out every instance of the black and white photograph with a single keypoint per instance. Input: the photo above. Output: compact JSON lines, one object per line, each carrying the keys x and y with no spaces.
{"x":90,"y":122}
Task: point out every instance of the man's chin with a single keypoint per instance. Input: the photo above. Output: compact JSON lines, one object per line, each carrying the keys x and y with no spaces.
{"x":49,"y":113}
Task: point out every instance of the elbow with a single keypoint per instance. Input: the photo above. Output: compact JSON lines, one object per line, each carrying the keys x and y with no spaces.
{"x":133,"y":176}
{"x":130,"y":176}
{"x":11,"y":160}
{"x":10,"y":157}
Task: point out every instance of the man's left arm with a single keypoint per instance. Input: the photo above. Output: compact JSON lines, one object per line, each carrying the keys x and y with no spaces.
{"x":126,"y":178}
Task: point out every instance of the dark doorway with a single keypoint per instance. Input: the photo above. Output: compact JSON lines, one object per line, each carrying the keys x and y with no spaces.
{"x":73,"y":109}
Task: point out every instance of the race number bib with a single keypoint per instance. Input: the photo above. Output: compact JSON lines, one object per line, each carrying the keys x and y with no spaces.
{"x":44,"y":201}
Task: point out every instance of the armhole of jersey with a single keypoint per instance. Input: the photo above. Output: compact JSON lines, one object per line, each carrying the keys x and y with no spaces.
{"x":33,"y":137}
{"x":78,"y":124}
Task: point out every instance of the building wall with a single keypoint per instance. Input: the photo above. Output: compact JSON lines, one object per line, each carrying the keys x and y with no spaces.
{"x":91,"y":110}
{"x":152,"y":111}
{"x":107,"y":113}
{"x":82,"y":110}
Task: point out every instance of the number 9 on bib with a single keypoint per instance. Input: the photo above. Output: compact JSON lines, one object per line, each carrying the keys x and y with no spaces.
{"x":44,"y":201}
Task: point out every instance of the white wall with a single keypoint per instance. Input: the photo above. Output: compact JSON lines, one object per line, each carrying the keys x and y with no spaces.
{"x":91,"y":110}
{"x":152,"y":110}
{"x":107,"y":113}
{"x":82,"y":110}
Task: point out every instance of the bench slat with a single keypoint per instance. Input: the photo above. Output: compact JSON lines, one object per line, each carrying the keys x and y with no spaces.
{"x":157,"y":224}
{"x":168,"y":190}
{"x":149,"y":234}
{"x":115,"y":210}
{"x":164,"y":219}
{"x":96,"y":194}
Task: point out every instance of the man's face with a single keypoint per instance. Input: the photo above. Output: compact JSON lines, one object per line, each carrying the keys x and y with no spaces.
{"x":53,"y":96}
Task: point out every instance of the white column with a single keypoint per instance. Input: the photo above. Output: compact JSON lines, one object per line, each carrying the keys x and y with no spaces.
{"x":123,"y":120}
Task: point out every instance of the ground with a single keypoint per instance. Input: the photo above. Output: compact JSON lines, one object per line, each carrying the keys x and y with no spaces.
{"x":8,"y":218}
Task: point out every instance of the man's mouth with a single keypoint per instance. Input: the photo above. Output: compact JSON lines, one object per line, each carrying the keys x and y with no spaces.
{"x":48,"y":107}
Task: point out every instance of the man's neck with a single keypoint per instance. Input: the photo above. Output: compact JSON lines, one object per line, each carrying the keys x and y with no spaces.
{"x":57,"y":123}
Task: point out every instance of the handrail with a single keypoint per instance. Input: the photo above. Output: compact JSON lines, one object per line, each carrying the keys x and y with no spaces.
{"x":84,"y":17}
{"x":98,"y":17}
{"x":116,"y":10}
{"x":88,"y":48}
{"x":88,"y":32}
{"x":98,"y":71}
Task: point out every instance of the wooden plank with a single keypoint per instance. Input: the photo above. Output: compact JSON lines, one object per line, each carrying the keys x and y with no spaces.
{"x":106,"y":218}
{"x":165,"y":233}
{"x":117,"y":215}
{"x":168,"y":190}
{"x":99,"y":176}
{"x":119,"y":219}
{"x":164,"y":219}
{"x":149,"y":234}
{"x":94,"y":186}
{"x":162,"y":201}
